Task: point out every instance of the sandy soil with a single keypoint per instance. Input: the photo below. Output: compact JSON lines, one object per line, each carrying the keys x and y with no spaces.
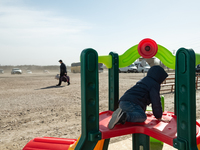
{"x":31,"y":106}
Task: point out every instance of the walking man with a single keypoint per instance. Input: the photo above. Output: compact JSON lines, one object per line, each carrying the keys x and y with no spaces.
{"x":63,"y":73}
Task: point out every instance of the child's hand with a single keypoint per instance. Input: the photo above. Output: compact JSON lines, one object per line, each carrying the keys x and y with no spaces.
{"x":148,"y":113}
{"x":164,"y":120}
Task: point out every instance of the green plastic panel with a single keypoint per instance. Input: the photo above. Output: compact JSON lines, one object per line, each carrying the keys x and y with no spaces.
{"x":185,"y":100}
{"x":128,"y":57}
{"x":140,"y":142}
{"x":167,"y":58}
{"x":90,"y":133}
{"x":113,"y":81}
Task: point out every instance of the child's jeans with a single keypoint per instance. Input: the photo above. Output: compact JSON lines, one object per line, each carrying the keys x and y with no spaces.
{"x":133,"y":111}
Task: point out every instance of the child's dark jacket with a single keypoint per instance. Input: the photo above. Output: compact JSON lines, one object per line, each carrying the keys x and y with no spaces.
{"x":147,"y":91}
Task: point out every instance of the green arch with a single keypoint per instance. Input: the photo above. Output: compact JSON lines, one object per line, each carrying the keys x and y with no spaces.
{"x":130,"y":56}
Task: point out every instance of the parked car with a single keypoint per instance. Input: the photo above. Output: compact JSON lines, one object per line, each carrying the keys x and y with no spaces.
{"x":131,"y":68}
{"x":46,"y":71}
{"x":16,"y":71}
{"x":1,"y":71}
{"x":29,"y":71}
{"x":141,"y":68}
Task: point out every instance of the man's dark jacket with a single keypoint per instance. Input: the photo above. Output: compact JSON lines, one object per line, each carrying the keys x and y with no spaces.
{"x":63,"y":69}
{"x":147,"y":91}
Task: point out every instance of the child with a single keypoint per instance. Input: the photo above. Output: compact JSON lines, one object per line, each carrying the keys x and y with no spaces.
{"x":132,"y":105}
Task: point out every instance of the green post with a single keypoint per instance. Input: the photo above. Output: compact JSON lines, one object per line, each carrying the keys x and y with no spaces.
{"x":162,"y":98}
{"x":114,"y":82}
{"x":113,"y":88}
{"x":140,"y":141}
{"x":185,"y":100}
{"x":89,"y":100}
{"x":106,"y":143}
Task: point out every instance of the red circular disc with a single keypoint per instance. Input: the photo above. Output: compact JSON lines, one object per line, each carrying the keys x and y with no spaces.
{"x":147,"y":48}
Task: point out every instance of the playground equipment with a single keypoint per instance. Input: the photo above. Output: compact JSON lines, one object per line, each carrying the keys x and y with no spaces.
{"x":182,"y":132}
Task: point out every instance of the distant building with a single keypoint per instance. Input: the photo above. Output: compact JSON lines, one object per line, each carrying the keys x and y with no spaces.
{"x":76,"y":67}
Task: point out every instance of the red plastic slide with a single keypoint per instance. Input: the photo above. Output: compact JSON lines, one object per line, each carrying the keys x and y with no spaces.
{"x":49,"y":143}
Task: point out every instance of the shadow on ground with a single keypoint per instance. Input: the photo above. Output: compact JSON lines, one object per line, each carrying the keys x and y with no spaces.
{"x":50,"y":87}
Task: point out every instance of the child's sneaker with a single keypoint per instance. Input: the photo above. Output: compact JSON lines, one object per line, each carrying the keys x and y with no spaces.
{"x":118,"y":116}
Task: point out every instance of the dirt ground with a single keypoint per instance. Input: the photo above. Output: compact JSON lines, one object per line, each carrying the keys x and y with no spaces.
{"x":31,"y":106}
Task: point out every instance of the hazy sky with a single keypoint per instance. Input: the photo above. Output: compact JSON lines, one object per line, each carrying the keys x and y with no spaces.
{"x":40,"y":32}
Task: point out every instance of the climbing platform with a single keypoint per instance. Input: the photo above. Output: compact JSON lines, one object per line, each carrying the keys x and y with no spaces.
{"x":165,"y":132}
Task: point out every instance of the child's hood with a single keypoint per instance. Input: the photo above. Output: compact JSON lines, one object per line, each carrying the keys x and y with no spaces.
{"x":157,"y":73}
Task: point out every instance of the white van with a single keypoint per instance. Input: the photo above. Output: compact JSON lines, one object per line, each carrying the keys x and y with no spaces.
{"x":131,"y":68}
{"x":141,"y":68}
